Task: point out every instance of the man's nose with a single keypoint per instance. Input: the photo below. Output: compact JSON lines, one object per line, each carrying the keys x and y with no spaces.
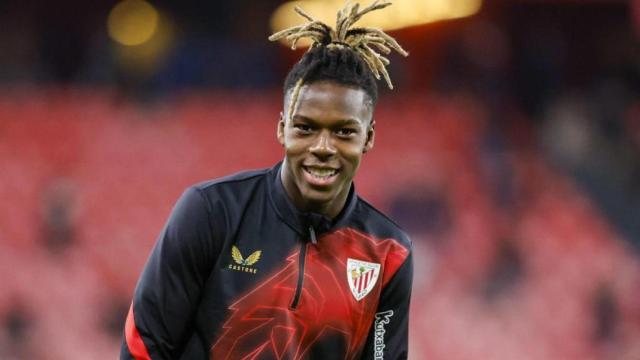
{"x":323,"y":146}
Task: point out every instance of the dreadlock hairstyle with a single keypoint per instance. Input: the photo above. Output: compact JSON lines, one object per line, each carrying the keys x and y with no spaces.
{"x":349,"y":56}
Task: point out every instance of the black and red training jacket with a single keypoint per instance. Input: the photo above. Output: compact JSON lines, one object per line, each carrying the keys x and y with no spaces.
{"x":238,"y":272}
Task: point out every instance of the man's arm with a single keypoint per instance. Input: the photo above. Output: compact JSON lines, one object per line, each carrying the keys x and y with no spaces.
{"x":161,"y":317}
{"x":389,"y":334}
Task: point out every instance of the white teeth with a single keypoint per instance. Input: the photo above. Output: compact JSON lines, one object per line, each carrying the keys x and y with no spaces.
{"x":321,"y":172}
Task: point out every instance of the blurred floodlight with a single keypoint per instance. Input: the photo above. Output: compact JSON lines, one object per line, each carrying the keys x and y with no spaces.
{"x":143,"y":37}
{"x":402,"y":14}
{"x":132,"y":22}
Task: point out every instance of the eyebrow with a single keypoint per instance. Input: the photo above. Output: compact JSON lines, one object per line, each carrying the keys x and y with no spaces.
{"x":341,"y":122}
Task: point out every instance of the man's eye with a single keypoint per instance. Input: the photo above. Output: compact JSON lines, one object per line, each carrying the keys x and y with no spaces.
{"x":346,"y":132}
{"x":303,"y":128}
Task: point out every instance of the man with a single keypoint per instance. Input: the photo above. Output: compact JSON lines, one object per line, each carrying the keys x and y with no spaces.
{"x":287,"y":262}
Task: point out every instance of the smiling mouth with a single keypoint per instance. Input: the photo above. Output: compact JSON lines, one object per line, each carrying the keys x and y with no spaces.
{"x":320,"y":173}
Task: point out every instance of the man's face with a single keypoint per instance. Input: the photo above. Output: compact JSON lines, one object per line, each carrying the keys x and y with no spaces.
{"x":329,"y":129}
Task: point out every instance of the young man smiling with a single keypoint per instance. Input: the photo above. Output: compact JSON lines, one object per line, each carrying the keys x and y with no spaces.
{"x":331,"y":128}
{"x":287,"y":262}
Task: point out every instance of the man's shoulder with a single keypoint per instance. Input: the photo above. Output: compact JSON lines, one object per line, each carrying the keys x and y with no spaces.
{"x":381,"y":225}
{"x":240,"y":179}
{"x":228,"y":195}
{"x":232,"y":192}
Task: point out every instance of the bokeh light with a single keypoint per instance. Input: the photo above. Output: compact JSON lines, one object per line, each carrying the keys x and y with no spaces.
{"x":403,"y":13}
{"x":132,"y":22}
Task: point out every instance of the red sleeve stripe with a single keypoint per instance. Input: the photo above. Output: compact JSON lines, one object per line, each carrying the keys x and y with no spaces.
{"x":134,"y":341}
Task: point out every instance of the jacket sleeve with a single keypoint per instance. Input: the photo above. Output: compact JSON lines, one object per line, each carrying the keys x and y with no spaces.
{"x":161,"y":317}
{"x":389,"y":333}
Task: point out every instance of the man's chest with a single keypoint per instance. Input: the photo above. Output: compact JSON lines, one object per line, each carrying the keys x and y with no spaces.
{"x":282,"y":294}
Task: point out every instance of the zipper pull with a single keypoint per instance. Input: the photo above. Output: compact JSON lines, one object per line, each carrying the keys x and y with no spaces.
{"x":312,"y":235}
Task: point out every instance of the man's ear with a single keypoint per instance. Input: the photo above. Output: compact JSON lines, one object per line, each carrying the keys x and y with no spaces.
{"x":280,"y":130}
{"x":371,"y":136}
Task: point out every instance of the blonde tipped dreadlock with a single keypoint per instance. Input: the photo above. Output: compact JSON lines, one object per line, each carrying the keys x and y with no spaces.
{"x":361,"y":40}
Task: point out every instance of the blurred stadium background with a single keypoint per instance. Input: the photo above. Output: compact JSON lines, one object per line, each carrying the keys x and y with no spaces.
{"x":510,"y":152}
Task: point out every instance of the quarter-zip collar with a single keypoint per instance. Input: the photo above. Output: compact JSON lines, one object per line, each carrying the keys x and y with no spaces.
{"x":309,"y":225}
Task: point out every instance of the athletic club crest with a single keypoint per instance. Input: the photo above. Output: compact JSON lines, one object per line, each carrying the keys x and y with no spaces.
{"x":362,"y":277}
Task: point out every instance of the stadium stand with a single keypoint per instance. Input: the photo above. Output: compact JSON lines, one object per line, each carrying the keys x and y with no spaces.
{"x":540,"y":275}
